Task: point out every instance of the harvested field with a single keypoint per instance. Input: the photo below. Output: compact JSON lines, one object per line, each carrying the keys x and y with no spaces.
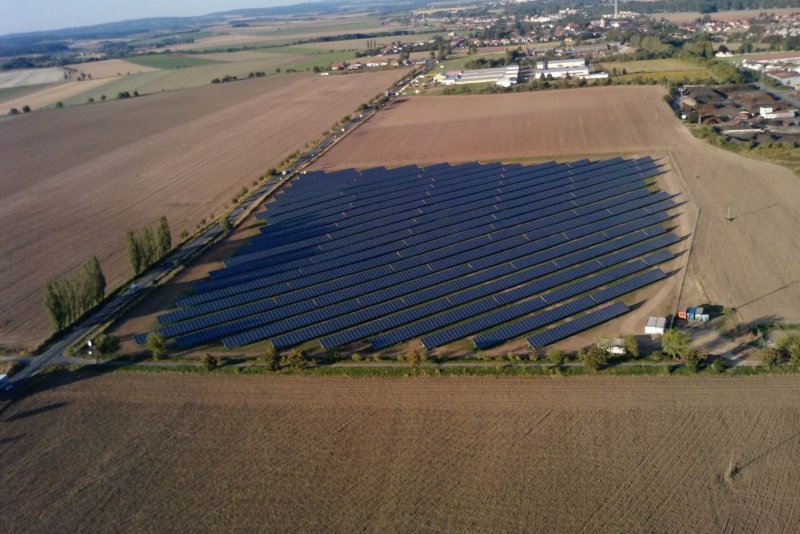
{"x":732,"y":262}
{"x":744,"y":14}
{"x":136,"y":452}
{"x":158,"y":81}
{"x":21,"y":78}
{"x":110,"y":68}
{"x":75,"y":180}
{"x":361,"y":44}
{"x":651,"y":65}
{"x":48,"y":95}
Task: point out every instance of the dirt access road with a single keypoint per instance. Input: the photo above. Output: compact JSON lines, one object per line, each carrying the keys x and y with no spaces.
{"x":751,"y":263}
{"x":134,"y":452}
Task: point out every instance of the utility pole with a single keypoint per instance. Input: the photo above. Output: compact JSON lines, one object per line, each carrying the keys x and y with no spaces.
{"x":729,"y":217}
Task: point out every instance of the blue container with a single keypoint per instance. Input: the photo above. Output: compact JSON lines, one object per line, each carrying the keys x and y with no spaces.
{"x":690,"y":314}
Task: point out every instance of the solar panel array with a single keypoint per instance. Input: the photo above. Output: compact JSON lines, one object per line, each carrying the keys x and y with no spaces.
{"x":442,"y":252}
{"x":570,"y":328}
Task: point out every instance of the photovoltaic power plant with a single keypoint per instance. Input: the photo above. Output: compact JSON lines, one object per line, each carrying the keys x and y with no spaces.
{"x":439,"y":253}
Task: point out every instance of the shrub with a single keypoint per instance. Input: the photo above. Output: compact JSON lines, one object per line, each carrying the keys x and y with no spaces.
{"x":296,"y":359}
{"x":272,"y":358}
{"x":26,"y":109}
{"x":415,"y":356}
{"x":210,"y":361}
{"x":556,"y":356}
{"x":13,"y":111}
{"x":106,"y":345}
{"x":155,"y":344}
{"x":770,"y":356}
{"x":595,"y":358}
{"x":675,"y":343}
{"x":692,"y":359}
{"x":718,"y":365}
{"x":356,"y":357}
{"x":631,"y":347}
{"x":656,"y":356}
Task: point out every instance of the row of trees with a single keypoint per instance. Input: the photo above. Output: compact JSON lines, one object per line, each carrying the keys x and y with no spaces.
{"x":149,"y":244}
{"x":69,"y":298}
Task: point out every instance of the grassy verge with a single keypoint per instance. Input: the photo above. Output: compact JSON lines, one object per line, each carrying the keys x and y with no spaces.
{"x":785,"y":154}
{"x":499,"y":369}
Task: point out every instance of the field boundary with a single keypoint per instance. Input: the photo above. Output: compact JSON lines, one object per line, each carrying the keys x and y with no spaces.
{"x":679,"y":292}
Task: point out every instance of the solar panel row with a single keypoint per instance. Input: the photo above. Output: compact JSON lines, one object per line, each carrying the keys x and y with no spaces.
{"x":328,"y":238}
{"x":557,"y":213}
{"x":406,"y":216}
{"x":318,"y":188}
{"x":415,"y":279}
{"x":393,"y":273}
{"x":355,"y":312}
{"x":530,"y":324}
{"x":420,"y":186}
{"x":459,"y":316}
{"x":403,"y":252}
{"x":575,"y":326}
{"x":337,"y":259}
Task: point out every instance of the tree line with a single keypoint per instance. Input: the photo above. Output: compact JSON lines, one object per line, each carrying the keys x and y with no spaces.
{"x":148,"y":244}
{"x":68,"y":299}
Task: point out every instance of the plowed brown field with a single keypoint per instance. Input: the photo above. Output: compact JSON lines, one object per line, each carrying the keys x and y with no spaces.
{"x":164,"y":452}
{"x":751,"y":263}
{"x":74,"y":180}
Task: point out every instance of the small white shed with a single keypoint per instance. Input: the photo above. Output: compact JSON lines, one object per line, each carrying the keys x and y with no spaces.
{"x":655,"y":326}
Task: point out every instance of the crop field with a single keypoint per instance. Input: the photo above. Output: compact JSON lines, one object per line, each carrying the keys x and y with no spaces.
{"x":170,"y":61}
{"x":156,"y":81}
{"x":43,"y":96}
{"x":361,"y":44}
{"x":651,"y":66}
{"x":140,"y":452}
{"x":111,"y":68}
{"x":21,"y":78}
{"x":732,"y":264}
{"x":691,"y":16}
{"x":75,"y":180}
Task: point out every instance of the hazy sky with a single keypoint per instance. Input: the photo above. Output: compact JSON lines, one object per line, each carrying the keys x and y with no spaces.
{"x":33,"y":15}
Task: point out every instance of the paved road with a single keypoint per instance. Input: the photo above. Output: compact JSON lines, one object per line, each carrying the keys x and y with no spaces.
{"x":55,"y":352}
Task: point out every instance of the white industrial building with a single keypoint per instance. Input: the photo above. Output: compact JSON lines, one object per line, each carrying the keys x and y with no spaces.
{"x":562,"y":72}
{"x":770,"y":113}
{"x":502,"y":76}
{"x":563,"y":68}
{"x":561,"y":64}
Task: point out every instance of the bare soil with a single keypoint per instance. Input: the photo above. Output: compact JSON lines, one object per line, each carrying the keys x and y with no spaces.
{"x":74,"y":180}
{"x":110,"y":68}
{"x":751,"y":262}
{"x":49,"y":94}
{"x":743,"y":14}
{"x":130,"y":452}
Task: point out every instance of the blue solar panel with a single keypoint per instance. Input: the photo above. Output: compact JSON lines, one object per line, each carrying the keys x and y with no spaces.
{"x":575,"y":326}
{"x":520,"y":327}
{"x":405,"y":251}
